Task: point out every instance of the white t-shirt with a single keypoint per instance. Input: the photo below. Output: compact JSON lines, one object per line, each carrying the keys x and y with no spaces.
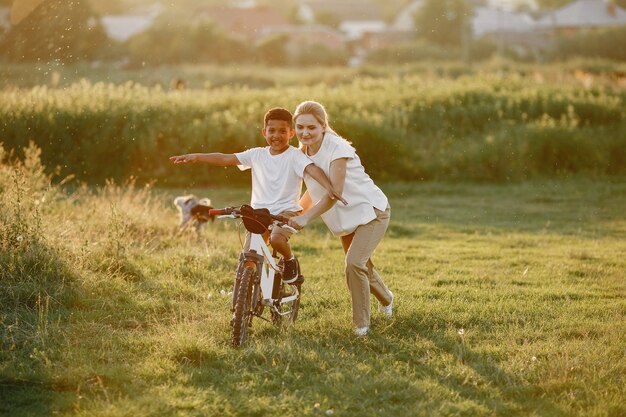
{"x":276,"y":179}
{"x":359,"y":190}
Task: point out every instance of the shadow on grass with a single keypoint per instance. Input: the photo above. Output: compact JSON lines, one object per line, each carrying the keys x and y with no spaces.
{"x":37,"y":291}
{"x":513,"y":395}
{"x":384,"y":373}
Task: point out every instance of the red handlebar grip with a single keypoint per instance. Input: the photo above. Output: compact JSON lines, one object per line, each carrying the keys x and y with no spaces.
{"x":217,"y":212}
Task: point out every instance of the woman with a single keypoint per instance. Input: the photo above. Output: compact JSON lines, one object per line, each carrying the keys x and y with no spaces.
{"x":361,"y":224}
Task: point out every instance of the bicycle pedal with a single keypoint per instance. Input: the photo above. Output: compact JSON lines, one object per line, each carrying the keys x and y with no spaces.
{"x":298,"y":280}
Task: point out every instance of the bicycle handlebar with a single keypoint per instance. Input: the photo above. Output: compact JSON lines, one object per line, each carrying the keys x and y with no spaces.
{"x":237,"y":212}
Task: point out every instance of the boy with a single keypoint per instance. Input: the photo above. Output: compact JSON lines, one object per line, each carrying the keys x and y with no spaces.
{"x":277,"y":172}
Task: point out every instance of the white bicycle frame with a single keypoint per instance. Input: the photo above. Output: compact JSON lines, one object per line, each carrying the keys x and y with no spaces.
{"x":268,"y":268}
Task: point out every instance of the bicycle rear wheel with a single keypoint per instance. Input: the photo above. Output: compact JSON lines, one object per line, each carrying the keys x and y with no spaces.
{"x":242,"y":316}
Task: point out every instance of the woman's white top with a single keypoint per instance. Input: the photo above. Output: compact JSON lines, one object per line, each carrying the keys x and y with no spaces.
{"x":359,"y":190}
{"x":276,"y":179}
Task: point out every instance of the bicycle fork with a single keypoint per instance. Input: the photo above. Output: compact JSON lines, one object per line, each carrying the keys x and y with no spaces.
{"x":246,"y":259}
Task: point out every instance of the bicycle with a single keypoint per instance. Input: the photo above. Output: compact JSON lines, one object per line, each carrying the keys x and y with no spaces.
{"x":258,"y":281}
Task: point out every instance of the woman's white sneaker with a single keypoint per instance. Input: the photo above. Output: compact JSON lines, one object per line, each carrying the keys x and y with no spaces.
{"x":361,"y":331}
{"x":387,"y":310}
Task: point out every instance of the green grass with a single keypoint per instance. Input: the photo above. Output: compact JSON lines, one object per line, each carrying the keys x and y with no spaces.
{"x":510,"y":301}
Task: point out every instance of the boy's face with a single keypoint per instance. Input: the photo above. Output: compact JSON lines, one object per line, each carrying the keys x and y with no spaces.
{"x":277,"y":134}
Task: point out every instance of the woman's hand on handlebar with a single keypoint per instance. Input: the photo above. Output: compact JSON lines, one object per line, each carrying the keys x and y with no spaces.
{"x":298,"y":222}
{"x":334,"y":195}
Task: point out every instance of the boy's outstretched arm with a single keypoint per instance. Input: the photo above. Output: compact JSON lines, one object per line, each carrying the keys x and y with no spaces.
{"x":318,"y":175}
{"x":220,"y":159}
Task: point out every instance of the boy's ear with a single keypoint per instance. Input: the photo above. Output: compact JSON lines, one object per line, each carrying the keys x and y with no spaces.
{"x":264,"y":133}
{"x":292,"y":133}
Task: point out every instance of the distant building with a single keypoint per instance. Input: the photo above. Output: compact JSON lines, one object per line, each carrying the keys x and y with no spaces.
{"x":491,"y":20}
{"x":310,"y":35}
{"x":376,"y":40}
{"x":5,"y":19}
{"x":245,"y":22}
{"x":485,"y":20}
{"x":123,"y":27}
{"x":582,"y":15}
{"x":354,"y":18}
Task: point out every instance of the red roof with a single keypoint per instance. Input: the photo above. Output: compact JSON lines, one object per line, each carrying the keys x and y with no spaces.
{"x":248,"y":22}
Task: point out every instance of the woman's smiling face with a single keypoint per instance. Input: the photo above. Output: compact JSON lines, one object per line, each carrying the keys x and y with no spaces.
{"x":308,"y":130}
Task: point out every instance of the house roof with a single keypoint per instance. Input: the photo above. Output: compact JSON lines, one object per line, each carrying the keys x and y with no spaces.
{"x":405,"y":19}
{"x":584,"y":13}
{"x":492,"y":20}
{"x":347,"y":9}
{"x":122,"y":27}
{"x":248,"y":21}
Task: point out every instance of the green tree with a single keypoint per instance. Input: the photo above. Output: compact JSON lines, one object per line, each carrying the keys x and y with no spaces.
{"x":328,"y":18}
{"x":56,"y":30}
{"x":202,"y":42}
{"x":620,"y":3}
{"x":443,"y":22}
{"x":272,"y":49}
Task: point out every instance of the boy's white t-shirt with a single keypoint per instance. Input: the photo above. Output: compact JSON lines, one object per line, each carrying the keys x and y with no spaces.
{"x":359,"y":190}
{"x":276,"y":179}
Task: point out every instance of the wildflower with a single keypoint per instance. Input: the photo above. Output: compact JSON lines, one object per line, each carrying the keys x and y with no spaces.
{"x":20,"y":238}
{"x":534,"y":359}
{"x":329,"y":412}
{"x":461,"y":331}
{"x":222,"y":292}
{"x":316,"y":406}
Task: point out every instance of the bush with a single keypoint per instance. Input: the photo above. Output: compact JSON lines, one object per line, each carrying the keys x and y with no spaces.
{"x":56,"y":31}
{"x":198,"y":43}
{"x":402,"y":127}
{"x":412,"y":52}
{"x":596,"y":44}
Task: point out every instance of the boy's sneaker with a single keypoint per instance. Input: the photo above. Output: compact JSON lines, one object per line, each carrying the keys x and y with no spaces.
{"x":387,"y":310}
{"x":290,"y":270}
{"x":361,"y":331}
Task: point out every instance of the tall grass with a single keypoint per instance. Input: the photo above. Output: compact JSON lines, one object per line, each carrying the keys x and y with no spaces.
{"x":510,"y":301}
{"x":405,"y":127}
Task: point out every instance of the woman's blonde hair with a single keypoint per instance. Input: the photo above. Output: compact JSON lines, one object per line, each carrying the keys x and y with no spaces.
{"x":316,"y":110}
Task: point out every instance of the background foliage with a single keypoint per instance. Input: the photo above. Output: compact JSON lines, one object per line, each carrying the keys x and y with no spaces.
{"x":56,"y":30}
{"x":488,"y":126}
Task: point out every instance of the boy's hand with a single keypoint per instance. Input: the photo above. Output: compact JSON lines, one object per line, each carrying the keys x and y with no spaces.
{"x":298,"y":222}
{"x":334,"y":195}
{"x":183,"y":159}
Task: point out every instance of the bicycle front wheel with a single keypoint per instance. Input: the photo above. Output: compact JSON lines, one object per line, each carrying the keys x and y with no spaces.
{"x":242,"y":317}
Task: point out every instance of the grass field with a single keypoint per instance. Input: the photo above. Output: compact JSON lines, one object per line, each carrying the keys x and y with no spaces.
{"x":510,"y":301}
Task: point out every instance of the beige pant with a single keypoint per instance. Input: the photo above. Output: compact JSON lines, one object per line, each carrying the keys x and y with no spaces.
{"x":361,"y":276}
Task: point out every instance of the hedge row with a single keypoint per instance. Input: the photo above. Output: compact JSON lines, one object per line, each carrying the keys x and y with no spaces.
{"x":404,"y":128}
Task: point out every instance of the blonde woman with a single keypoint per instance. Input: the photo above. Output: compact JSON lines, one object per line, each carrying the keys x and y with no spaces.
{"x":361,"y":224}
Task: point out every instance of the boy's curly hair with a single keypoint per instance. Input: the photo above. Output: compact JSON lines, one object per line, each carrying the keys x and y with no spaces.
{"x":278,"y":113}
